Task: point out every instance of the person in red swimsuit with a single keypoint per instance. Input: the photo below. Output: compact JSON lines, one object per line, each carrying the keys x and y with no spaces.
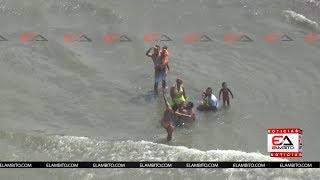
{"x":225,"y":94}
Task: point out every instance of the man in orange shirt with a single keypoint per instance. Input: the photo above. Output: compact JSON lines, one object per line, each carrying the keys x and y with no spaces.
{"x":157,"y":60}
{"x":164,"y":66}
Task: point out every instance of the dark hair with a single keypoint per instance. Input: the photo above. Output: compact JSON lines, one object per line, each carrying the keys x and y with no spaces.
{"x":157,"y":46}
{"x":179,"y":80}
{"x":224,"y":83}
{"x":165,"y":47}
{"x":189,"y":105}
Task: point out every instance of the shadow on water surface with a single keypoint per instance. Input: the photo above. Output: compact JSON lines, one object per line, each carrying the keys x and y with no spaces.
{"x":143,"y":98}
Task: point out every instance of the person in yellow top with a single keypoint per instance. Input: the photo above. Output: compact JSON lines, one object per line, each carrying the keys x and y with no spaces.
{"x":178,"y":95}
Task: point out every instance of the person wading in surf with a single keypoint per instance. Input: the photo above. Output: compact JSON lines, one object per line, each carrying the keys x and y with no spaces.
{"x":186,"y":121}
{"x":164,"y":66}
{"x":178,"y":95}
{"x":225,"y":94}
{"x":169,"y":117}
{"x":210,"y":102}
{"x":161,"y":65}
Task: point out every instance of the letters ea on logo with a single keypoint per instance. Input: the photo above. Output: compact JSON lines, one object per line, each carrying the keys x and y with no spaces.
{"x":115,"y":37}
{"x":237,"y":37}
{"x":285,"y":142}
{"x":195,"y":37}
{"x":276,"y":37}
{"x":76,"y":37}
{"x":281,"y":140}
{"x":26,"y":37}
{"x":151,"y":37}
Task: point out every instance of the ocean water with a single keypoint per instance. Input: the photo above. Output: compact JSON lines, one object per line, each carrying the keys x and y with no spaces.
{"x":93,"y":100}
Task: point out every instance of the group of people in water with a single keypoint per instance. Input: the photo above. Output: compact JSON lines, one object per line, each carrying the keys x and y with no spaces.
{"x":180,"y":111}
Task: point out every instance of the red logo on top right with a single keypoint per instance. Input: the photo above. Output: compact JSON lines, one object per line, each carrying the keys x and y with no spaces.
{"x":285,"y":142}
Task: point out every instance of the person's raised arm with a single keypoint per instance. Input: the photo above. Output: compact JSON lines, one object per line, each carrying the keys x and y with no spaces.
{"x":181,"y":114}
{"x":230,"y":92}
{"x":165,"y":100}
{"x":148,"y":52}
